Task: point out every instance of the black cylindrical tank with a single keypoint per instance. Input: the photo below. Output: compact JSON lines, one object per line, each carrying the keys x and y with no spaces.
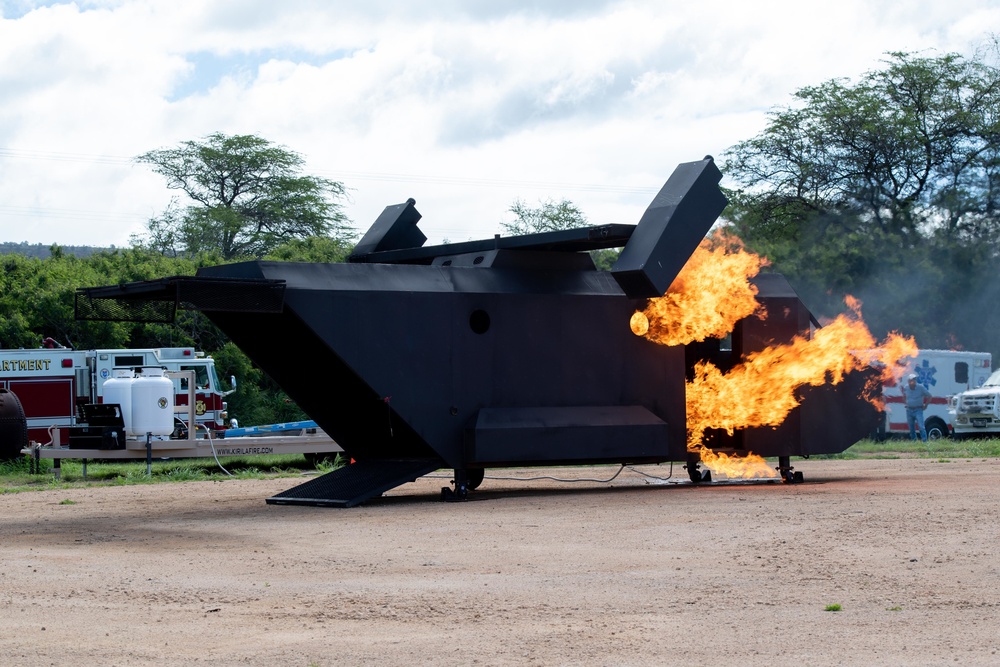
{"x":13,"y":426}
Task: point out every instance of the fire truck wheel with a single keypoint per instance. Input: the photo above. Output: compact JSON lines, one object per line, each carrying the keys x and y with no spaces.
{"x":936,"y":429}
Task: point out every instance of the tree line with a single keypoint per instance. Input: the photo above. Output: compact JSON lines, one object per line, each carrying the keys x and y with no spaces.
{"x":886,"y":188}
{"x":37,"y":299}
{"x":42,"y":251}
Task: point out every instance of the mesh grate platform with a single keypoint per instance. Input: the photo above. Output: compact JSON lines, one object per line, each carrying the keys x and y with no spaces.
{"x":159,"y":300}
{"x":353,"y":484}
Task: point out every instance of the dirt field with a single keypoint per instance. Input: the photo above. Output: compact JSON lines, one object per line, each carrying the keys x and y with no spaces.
{"x":543,"y":573}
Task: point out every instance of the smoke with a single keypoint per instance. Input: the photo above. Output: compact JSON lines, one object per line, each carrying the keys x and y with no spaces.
{"x":941,"y":300}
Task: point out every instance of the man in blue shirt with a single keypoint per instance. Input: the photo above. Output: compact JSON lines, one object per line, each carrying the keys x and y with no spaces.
{"x":915,"y":398}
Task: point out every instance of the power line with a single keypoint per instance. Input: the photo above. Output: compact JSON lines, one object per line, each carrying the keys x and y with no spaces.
{"x":64,"y":157}
{"x":68,"y":213}
{"x":491,"y":182}
{"x":346,"y":175}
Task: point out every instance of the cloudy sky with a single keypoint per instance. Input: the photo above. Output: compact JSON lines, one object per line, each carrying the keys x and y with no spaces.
{"x":466,"y":106}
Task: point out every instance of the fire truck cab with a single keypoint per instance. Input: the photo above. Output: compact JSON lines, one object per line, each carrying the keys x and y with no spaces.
{"x":52,"y":383}
{"x":944,"y":373}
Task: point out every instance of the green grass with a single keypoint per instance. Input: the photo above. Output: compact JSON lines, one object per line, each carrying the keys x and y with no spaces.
{"x":16,"y":476}
{"x":832,"y":607}
{"x":943,"y":450}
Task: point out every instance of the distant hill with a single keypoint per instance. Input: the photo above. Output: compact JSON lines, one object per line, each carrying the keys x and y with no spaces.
{"x":43,"y":251}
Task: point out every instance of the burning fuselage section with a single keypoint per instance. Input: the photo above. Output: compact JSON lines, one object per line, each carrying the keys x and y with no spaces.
{"x":507,"y":352}
{"x":786,"y":405}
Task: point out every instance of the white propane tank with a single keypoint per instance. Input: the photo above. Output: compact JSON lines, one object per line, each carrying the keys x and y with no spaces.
{"x":118,"y":389}
{"x":152,"y":403}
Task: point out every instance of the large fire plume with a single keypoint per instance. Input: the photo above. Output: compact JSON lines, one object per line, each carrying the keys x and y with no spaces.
{"x":710,"y":295}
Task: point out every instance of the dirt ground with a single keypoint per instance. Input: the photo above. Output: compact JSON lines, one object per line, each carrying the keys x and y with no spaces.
{"x":632,"y":572}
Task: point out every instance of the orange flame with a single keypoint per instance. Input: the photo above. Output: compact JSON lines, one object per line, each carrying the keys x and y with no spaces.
{"x":707,"y":301}
{"x":761,"y":390}
{"x":711,"y":293}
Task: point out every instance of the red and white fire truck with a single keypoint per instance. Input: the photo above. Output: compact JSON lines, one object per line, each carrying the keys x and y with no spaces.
{"x":944,"y":373}
{"x":52,"y":383}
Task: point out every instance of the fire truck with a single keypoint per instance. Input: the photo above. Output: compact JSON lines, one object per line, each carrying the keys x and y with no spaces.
{"x":944,"y":373}
{"x":53,"y":383}
{"x":60,"y":393}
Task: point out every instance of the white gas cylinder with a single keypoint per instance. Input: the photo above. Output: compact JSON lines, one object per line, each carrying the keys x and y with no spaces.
{"x":152,"y":403}
{"x":118,"y":389}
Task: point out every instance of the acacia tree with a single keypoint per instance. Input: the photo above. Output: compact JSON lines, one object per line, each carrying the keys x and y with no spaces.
{"x":247,"y":195}
{"x":552,"y":216}
{"x":886,"y":188}
{"x":910,"y":149}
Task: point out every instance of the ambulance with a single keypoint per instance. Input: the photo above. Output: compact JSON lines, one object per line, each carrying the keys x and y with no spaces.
{"x":945,"y":373}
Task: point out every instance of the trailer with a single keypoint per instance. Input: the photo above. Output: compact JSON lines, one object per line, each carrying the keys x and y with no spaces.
{"x":73,"y":408}
{"x":290,"y":438}
{"x":314,"y":445}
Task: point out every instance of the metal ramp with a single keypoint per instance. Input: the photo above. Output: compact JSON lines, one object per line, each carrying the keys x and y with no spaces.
{"x":355,"y":483}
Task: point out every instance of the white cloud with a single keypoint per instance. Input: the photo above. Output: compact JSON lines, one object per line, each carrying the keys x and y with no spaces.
{"x":465,"y":106}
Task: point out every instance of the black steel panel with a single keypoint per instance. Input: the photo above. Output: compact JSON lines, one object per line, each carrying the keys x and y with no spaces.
{"x":396,"y":359}
{"x":395,"y":228}
{"x":671,"y":228}
{"x":519,"y":436}
{"x":564,"y":241}
{"x":353,"y":484}
{"x":13,"y":426}
{"x":834,"y":418}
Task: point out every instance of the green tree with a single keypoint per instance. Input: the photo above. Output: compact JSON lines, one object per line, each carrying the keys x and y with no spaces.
{"x":257,"y":399}
{"x":248,"y":196}
{"x":886,"y":189}
{"x":312,"y":249}
{"x":37,"y":297}
{"x":552,"y":216}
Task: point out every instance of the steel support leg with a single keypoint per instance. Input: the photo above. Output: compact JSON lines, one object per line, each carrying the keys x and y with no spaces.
{"x":695,"y":473}
{"x":461,"y":490}
{"x":788,"y":474}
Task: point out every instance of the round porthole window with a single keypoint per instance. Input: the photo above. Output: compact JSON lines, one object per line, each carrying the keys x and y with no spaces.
{"x":479,"y":321}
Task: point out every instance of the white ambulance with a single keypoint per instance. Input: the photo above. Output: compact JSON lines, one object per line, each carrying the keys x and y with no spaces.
{"x":944,"y":373}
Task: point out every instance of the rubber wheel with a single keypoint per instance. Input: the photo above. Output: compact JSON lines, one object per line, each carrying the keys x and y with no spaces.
{"x":475,"y":477}
{"x":936,"y":429}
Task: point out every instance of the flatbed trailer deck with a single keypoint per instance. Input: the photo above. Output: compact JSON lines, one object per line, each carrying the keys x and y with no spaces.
{"x":136,"y":450}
